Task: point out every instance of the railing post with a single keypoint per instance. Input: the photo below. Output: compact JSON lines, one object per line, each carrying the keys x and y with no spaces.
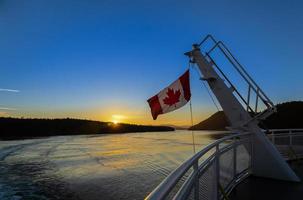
{"x":217,"y":171}
{"x":235,"y":157}
{"x":290,"y":138}
{"x":273,"y":137}
{"x":248,"y":98}
{"x":257,"y":98}
{"x":251,"y":153}
{"x":196,"y":184}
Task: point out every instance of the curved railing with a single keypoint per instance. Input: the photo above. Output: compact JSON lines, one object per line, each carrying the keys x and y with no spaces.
{"x":210,"y":173}
{"x":214,"y":171}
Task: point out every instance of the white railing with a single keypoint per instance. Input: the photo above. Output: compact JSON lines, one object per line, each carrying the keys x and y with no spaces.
{"x":213,"y":172}
{"x":210,"y":173}
{"x":288,"y":141}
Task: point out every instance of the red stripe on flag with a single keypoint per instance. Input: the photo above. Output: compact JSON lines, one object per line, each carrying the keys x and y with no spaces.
{"x":184,"y":79}
{"x":155,"y":106}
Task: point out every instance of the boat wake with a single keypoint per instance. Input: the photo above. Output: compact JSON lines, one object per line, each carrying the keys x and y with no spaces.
{"x":25,"y":176}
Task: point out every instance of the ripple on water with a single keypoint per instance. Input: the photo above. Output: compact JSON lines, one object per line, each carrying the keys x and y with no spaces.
{"x":126,"y":166}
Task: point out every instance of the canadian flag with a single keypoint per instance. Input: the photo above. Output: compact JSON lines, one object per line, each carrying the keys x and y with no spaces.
{"x":171,"y":98}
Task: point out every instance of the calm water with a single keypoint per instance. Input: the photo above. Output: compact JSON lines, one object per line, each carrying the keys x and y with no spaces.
{"x":120,"y":166}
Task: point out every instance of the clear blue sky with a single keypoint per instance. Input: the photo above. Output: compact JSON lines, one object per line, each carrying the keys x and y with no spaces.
{"x":103,"y":59}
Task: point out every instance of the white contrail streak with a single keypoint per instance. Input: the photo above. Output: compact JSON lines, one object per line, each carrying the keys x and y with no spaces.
{"x":4,"y":108}
{"x":8,"y":90}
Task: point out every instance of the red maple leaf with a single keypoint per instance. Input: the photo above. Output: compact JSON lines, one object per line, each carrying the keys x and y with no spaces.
{"x":172,"y":98}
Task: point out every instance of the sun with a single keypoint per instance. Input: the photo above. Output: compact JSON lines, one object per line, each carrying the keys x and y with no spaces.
{"x":117,"y":118}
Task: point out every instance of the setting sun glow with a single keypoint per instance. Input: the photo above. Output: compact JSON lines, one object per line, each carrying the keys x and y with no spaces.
{"x":117,"y":118}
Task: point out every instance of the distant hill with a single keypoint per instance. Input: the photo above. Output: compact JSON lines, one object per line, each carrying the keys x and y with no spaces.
{"x":288,"y":115}
{"x":217,"y":121}
{"x":16,"y":128}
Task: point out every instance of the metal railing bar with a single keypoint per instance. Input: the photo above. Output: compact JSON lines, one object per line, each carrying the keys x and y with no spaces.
{"x":248,"y":97}
{"x":208,"y":36}
{"x":234,"y":88}
{"x":189,"y":182}
{"x":243,"y":140}
{"x":244,"y":170}
{"x":236,"y":181}
{"x":238,"y":178}
{"x":262,"y":113}
{"x":243,"y":173}
{"x":169,"y":182}
{"x":213,"y":48}
{"x":185,"y":189}
{"x":196,"y":180}
{"x":226,"y":148}
{"x":229,"y":55}
{"x":235,"y":158}
{"x":247,"y":79}
{"x":242,"y":68}
{"x":251,"y":83}
{"x":298,"y":129}
{"x":202,"y":168}
{"x":233,"y":144}
{"x":244,"y":74}
{"x":257,"y":98}
{"x":206,"y":163}
{"x":257,"y":116}
{"x":217,"y":171}
{"x":285,"y":134}
{"x":239,"y":68}
{"x":205,"y":167}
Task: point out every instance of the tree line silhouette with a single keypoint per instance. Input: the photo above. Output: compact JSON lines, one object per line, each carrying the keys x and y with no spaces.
{"x":18,"y":128}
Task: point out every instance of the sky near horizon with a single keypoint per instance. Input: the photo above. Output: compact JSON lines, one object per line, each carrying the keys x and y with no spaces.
{"x":103,"y":59}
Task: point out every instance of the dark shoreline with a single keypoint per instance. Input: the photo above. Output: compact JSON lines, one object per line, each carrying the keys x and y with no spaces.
{"x":19,"y":128}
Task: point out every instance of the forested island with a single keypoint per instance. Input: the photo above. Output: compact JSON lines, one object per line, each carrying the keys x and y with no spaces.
{"x":18,"y":128}
{"x":288,"y":115}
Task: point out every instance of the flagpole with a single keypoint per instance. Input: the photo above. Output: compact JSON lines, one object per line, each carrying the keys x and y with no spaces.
{"x":192,"y":123}
{"x":191,"y":116}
